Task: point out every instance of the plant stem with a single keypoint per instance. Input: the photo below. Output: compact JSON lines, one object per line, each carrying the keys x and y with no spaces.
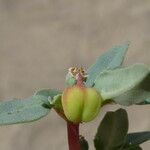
{"x":73,"y":136}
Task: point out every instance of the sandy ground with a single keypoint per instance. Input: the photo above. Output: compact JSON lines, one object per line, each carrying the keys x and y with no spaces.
{"x":40,"y":40}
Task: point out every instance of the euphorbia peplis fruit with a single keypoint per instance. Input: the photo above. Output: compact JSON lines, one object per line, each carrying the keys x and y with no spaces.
{"x":80,"y":104}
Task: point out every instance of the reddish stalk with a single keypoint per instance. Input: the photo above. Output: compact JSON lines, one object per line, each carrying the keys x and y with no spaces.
{"x":73,"y":136}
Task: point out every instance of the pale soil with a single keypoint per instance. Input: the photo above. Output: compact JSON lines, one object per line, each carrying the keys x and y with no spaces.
{"x":39,"y":40}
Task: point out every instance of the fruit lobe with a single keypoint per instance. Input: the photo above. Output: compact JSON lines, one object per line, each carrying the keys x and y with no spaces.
{"x":81,"y":104}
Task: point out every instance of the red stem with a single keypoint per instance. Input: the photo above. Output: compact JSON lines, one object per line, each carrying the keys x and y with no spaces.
{"x":73,"y":136}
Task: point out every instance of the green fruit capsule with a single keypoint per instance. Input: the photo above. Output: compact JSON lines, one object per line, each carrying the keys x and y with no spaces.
{"x":81,"y":104}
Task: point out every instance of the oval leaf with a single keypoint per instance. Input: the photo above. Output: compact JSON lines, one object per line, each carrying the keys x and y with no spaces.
{"x":112,"y":83}
{"x":135,"y":139}
{"x":111,"y":59}
{"x":135,"y":96}
{"x":22,"y":111}
{"x":48,"y":93}
{"x":138,"y":95}
{"x":112,"y":131}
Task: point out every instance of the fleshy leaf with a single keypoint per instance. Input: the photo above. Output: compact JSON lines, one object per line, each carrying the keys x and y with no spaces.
{"x":112,"y":131}
{"x":22,"y":111}
{"x":111,"y":59}
{"x":83,"y":143}
{"x":48,"y":93}
{"x":138,"y":95}
{"x":135,"y":139}
{"x":113,"y":83}
{"x":56,"y":102}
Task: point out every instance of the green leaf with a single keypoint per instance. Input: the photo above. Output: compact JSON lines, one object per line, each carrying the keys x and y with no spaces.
{"x":111,"y":59}
{"x":138,"y":95}
{"x":83,"y":143}
{"x":135,"y":96}
{"x":22,"y":111}
{"x":56,"y":102}
{"x":48,"y":93}
{"x":53,"y":96}
{"x":135,"y":139}
{"x":113,"y":83}
{"x":112,"y":131}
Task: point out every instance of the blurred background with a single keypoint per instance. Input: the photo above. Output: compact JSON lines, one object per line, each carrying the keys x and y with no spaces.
{"x":41,"y":39}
